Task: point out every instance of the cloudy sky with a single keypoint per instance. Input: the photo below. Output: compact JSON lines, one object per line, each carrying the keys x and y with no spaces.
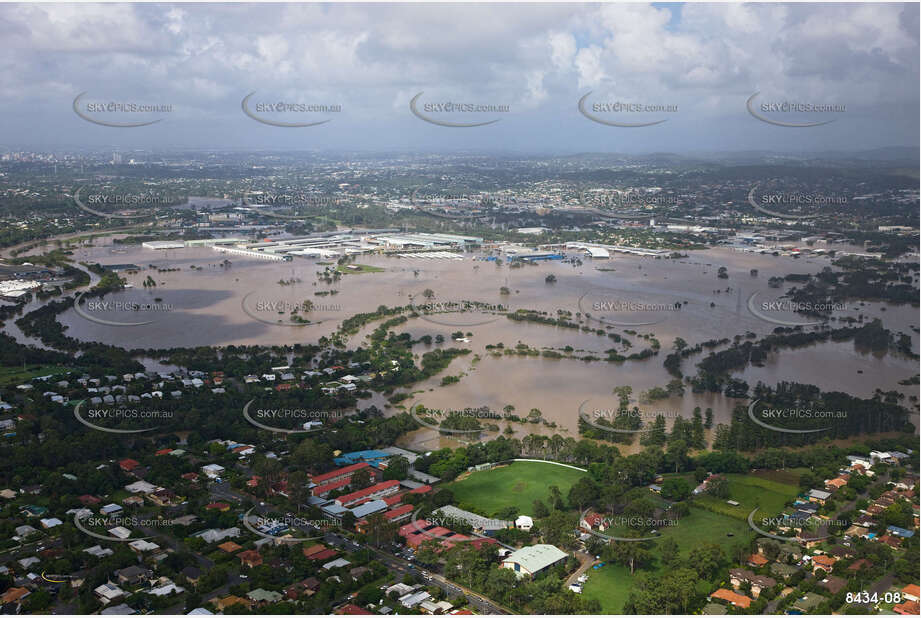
{"x":703,"y":60}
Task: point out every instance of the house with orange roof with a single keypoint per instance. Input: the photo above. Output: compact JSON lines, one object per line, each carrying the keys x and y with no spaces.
{"x":911,"y":592}
{"x":733,"y":598}
{"x":892,"y":541}
{"x":230,"y":600}
{"x":229,"y":547}
{"x":14,"y":595}
{"x":592,"y":521}
{"x":757,"y":560}
{"x":326,"y":554}
{"x":250,"y":558}
{"x":826,"y":563}
{"x":313,"y":550}
{"x":128,"y":465}
{"x":908,"y":608}
{"x":351,"y":609}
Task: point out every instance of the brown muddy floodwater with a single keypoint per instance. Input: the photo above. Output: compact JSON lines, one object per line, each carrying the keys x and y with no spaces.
{"x":205,"y":303}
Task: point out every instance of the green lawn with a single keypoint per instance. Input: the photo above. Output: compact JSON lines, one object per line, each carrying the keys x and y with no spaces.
{"x":701,"y":526}
{"x":751,"y":491}
{"x":610,"y":586}
{"x":16,"y":375}
{"x":518,"y":484}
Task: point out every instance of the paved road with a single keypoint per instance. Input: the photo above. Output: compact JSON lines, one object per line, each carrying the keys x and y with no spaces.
{"x":587,"y":562}
{"x":475,"y":599}
{"x":29,"y":549}
{"x":51,"y":240}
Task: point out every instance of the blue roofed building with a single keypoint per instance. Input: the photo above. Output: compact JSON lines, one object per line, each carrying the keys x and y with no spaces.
{"x":901,"y":532}
{"x":371,"y":457}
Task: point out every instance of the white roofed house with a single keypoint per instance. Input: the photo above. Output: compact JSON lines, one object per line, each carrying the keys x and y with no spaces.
{"x":109,"y":592}
{"x":212,"y":470}
{"x":819,"y":496}
{"x":50,"y":522}
{"x":141,"y":487}
{"x":524,"y":523}
{"x":213,"y":535}
{"x":99,"y":551}
{"x":142,"y":545}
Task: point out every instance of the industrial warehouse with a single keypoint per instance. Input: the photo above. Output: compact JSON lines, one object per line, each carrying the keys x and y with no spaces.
{"x":336,"y":244}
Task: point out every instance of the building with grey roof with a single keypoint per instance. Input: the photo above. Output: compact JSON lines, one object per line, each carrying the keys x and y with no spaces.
{"x":486,"y":525}
{"x":531,"y":560}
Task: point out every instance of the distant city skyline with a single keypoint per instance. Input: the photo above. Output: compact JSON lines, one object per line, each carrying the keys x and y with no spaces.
{"x":551,"y":76}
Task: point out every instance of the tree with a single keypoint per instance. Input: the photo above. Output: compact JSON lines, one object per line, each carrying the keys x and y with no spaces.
{"x":771,"y":550}
{"x":675,"y":488}
{"x":707,"y":560}
{"x":629,"y":553}
{"x":677,"y":454}
{"x":557,"y":529}
{"x":297,"y":488}
{"x":669,"y":553}
{"x":397,"y":468}
{"x":381,"y":530}
{"x":361,"y":479}
{"x":697,"y":430}
{"x":718,"y":487}
{"x":556,"y":498}
{"x":310,"y":454}
{"x":656,"y":435}
{"x":540,"y":509}
{"x":583,"y":492}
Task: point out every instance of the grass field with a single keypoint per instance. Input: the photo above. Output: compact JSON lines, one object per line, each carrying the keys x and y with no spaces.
{"x":518,"y":484}
{"x":701,"y":526}
{"x":610,"y":585}
{"x":790,"y":476}
{"x":750,"y":491}
{"x":16,"y":375}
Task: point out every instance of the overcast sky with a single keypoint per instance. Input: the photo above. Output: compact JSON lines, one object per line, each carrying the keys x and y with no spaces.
{"x":539,"y":60}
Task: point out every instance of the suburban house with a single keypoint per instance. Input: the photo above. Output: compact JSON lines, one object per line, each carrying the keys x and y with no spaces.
{"x":733,"y":598}
{"x":758,"y":582}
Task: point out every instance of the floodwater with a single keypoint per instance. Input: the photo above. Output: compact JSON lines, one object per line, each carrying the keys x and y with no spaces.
{"x":203,"y":301}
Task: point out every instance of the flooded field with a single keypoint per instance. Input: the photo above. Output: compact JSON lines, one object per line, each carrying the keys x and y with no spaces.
{"x":198,"y":299}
